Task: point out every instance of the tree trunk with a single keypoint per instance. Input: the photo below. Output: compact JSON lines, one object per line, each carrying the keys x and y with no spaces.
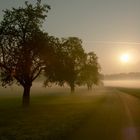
{"x":89,"y":86}
{"x":72,"y":86}
{"x":26,"y":96}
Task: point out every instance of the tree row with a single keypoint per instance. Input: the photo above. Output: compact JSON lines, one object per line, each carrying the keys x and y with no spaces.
{"x":26,"y":51}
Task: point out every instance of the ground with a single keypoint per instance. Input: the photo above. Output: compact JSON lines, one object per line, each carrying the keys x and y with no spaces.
{"x":102,"y":114}
{"x":117,"y":117}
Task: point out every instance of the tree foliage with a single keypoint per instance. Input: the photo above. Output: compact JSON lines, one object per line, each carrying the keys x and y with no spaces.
{"x":69,"y":60}
{"x":90,"y":72}
{"x":26,"y":50}
{"x":21,"y":43}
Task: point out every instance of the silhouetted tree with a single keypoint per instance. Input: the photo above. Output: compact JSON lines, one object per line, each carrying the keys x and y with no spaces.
{"x":75,"y":57}
{"x":69,"y":60}
{"x":21,"y":43}
{"x":54,"y":71}
{"x":90,"y":72}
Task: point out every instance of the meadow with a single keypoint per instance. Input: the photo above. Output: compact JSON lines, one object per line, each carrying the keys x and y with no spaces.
{"x":53,"y":113}
{"x":131,"y":87}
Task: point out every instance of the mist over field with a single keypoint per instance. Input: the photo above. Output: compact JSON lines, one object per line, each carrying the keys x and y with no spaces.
{"x":39,"y":89}
{"x":122,"y":83}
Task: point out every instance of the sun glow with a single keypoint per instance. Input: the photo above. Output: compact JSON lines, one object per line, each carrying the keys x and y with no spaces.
{"x":125,"y":58}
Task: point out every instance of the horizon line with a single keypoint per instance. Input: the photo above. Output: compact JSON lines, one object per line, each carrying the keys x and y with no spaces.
{"x":113,"y":42}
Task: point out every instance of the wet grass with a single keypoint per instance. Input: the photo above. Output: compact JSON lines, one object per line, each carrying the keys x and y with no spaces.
{"x":54,"y":114}
{"x":51,"y":116}
{"x":132,"y":91}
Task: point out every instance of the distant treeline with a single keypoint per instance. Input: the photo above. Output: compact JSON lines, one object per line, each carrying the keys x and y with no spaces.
{"x":122,"y":76}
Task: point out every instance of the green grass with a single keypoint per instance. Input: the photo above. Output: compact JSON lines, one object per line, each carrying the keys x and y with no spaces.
{"x":132,"y":91}
{"x":54,"y":114}
{"x":51,"y":116}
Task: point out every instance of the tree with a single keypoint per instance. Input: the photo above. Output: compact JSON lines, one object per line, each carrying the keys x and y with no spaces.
{"x":68,"y":62}
{"x":75,"y":57}
{"x":54,"y":71}
{"x":90,"y":72}
{"x":21,"y":43}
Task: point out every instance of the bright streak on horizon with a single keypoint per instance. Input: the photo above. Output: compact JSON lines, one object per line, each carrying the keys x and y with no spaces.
{"x":113,"y":42}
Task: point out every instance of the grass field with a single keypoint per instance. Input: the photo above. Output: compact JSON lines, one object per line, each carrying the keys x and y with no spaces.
{"x":132,"y":91}
{"x":54,"y":114}
{"x":50,"y":116}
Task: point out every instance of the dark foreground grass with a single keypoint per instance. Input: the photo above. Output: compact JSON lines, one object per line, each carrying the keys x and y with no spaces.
{"x":47,"y":118}
{"x":132,"y":91}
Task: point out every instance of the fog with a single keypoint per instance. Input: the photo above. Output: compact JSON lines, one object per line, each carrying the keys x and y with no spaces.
{"x":123,"y":83}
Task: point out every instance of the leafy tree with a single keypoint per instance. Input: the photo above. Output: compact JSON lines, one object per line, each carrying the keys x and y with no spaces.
{"x":75,"y":57}
{"x":68,"y":62}
{"x":54,"y":71}
{"x":21,"y":43}
{"x":90,"y":71}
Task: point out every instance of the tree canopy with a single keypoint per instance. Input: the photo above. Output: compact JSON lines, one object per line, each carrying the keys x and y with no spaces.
{"x":90,"y":72}
{"x":69,"y":62}
{"x":21,"y":41}
{"x":26,"y":50}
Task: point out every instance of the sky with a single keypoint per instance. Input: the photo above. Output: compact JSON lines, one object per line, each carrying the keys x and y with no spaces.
{"x":110,"y":28}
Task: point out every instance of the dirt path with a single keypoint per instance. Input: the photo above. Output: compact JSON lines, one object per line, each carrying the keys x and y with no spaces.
{"x":117,"y":117}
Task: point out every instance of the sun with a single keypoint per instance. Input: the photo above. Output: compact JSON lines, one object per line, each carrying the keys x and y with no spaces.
{"x":125,"y":58}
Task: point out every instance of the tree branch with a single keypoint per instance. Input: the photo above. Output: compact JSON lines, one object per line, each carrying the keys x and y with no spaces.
{"x":37,"y":74}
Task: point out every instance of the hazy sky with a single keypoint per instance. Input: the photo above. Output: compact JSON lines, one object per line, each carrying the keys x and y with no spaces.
{"x":108,"y":27}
